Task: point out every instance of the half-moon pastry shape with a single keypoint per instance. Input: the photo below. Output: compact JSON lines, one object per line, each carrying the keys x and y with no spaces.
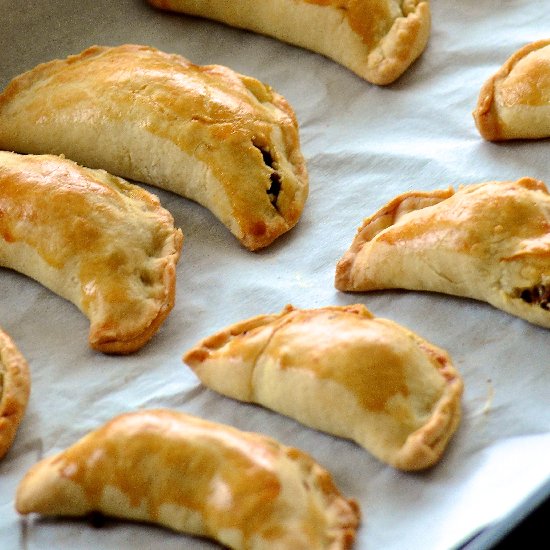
{"x":15,"y":387}
{"x":102,"y":243}
{"x":514,"y":103}
{"x":220,"y":138}
{"x":488,"y":241}
{"x":342,"y":371}
{"x":243,"y":489}
{"x":376,"y":39}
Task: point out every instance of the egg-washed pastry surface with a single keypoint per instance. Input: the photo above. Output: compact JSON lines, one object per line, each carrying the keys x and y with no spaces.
{"x":15,"y":387}
{"x":242,"y":489}
{"x":343,"y":371}
{"x":514,"y":103}
{"x":100,"y":242}
{"x":220,"y":138}
{"x":376,"y":39}
{"x":487,"y":241}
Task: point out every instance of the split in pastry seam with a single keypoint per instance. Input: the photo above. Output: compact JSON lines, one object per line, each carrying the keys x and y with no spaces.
{"x":15,"y":388}
{"x":343,"y":371}
{"x":207,"y":133}
{"x":487,"y":241}
{"x":102,"y":243}
{"x":376,"y":39}
{"x":242,"y":489}
{"x":514,"y":103}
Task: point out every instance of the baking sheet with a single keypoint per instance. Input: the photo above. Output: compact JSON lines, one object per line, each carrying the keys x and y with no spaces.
{"x":364,"y":145}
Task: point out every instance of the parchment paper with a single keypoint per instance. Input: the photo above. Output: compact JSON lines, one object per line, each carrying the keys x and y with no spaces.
{"x":364,"y":145}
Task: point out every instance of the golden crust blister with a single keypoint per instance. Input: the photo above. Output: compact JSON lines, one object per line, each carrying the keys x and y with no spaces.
{"x":341,"y":370}
{"x":100,"y":242}
{"x":487,"y":241}
{"x":15,"y":387}
{"x":514,"y":103}
{"x":242,"y":489}
{"x":222,"y":139}
{"x":377,"y":39}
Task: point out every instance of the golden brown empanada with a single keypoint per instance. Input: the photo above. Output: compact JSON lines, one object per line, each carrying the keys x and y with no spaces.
{"x":515,"y":102}
{"x":15,"y":387}
{"x":222,"y":139}
{"x":105,"y":245}
{"x":343,"y":371}
{"x":489,"y":241}
{"x":242,"y":489}
{"x":376,"y":39}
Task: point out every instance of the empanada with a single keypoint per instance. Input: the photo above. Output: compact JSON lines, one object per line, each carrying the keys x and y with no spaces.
{"x":15,"y":387}
{"x":105,"y":245}
{"x":243,"y":489}
{"x":222,"y":139}
{"x":342,"y":371}
{"x":514,"y":103}
{"x":489,"y":241}
{"x":376,"y":39}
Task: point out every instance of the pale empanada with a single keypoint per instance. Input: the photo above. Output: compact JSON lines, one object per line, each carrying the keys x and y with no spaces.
{"x":489,"y":241}
{"x":105,"y":245}
{"x":514,"y":103}
{"x":376,"y":39}
{"x":342,"y":371}
{"x":222,"y":139}
{"x":243,"y":489}
{"x":15,"y":387}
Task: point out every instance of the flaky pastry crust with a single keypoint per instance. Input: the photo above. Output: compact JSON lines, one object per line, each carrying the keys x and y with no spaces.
{"x":15,"y":387}
{"x":222,"y":139}
{"x":100,"y":242}
{"x":340,"y":370}
{"x":488,"y":241}
{"x":376,"y":39}
{"x":514,"y":103}
{"x":243,"y":489}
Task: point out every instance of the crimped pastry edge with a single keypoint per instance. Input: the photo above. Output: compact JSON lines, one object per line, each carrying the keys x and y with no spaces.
{"x":382,"y":219}
{"x":386,"y":62}
{"x":485,"y":114}
{"x":425,"y":446}
{"x":14,"y":392}
{"x":403,"y":45}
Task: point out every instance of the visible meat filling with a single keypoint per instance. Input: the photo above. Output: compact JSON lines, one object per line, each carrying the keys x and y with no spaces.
{"x":275,"y":178}
{"x":275,"y":188}
{"x":537,"y":295}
